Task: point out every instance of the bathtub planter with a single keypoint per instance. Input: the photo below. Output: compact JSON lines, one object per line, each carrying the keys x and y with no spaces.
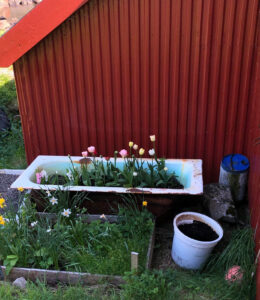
{"x":187,"y":252}
{"x":189,"y":174}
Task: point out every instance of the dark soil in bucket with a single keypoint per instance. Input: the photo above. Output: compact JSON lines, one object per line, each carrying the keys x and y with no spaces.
{"x":198,"y":231}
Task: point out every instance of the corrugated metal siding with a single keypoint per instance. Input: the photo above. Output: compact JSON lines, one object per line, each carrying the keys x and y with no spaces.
{"x":120,"y":70}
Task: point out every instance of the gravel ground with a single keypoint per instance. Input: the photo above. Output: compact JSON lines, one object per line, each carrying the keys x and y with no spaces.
{"x":10,"y":195}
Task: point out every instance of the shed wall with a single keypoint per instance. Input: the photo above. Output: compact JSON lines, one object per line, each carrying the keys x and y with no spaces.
{"x":119,"y":70}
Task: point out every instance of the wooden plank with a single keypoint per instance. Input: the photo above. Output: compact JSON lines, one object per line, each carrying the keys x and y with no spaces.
{"x":134,"y":261}
{"x":52,"y":276}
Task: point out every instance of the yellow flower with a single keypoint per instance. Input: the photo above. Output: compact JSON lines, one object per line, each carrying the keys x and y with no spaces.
{"x":131,"y":144}
{"x":2,"y":202}
{"x":20,"y":189}
{"x":2,"y":221}
{"x":152,"y":138}
{"x":141,"y":151}
{"x":145,"y":203}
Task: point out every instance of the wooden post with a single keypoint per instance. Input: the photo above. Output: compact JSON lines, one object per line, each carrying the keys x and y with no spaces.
{"x":134,"y":261}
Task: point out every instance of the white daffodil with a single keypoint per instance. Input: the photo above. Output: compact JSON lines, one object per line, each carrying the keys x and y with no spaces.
{"x":135,"y":173}
{"x":34,"y":223}
{"x":69,"y":175}
{"x":66,"y":212}
{"x":103,"y":217}
{"x":165,"y":169}
{"x":48,"y":230}
{"x":48,"y":193}
{"x":135,"y":147}
{"x":151,"y":152}
{"x":54,"y":200}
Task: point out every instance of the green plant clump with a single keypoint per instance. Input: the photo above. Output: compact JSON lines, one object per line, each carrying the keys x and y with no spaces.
{"x":71,"y":244}
{"x":12,"y":153}
{"x":132,"y":172}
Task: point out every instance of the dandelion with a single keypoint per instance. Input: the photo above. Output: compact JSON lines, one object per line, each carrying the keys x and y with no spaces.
{"x":2,"y":202}
{"x":66,"y":212}
{"x":2,"y":220}
{"x":20,"y":189}
{"x":135,"y":147}
{"x":123,"y":153}
{"x":145,"y":203}
{"x":141,"y":151}
{"x":151,"y":152}
{"x":103,"y":217}
{"x":54,"y":200}
{"x":131,"y":144}
{"x":84,"y":153}
{"x":34,"y":223}
{"x":91,"y":149}
{"x":135,"y":173}
{"x":49,"y":229}
{"x":152,"y":138}
{"x":165,"y":169}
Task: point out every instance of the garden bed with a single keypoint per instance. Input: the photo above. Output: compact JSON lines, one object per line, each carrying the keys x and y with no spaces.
{"x":71,"y":249}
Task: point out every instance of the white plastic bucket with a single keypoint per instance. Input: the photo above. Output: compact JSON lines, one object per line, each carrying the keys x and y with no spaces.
{"x":187,"y":252}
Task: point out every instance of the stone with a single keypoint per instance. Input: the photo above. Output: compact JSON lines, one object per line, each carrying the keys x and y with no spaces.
{"x":4,"y":122}
{"x":20,"y":283}
{"x":219,"y":202}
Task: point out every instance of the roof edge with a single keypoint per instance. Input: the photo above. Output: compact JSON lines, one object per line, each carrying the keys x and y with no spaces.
{"x":33,"y":27}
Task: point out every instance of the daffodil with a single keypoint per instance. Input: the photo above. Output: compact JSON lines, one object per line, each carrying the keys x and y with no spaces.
{"x":145,"y":203}
{"x":103,"y":217}
{"x":135,"y":147}
{"x":135,"y":174}
{"x":66,"y":212}
{"x":2,"y":220}
{"x":165,"y":169}
{"x":131,"y":144}
{"x":48,"y":193}
{"x":54,"y":200}
{"x":48,"y":230}
{"x":2,"y":202}
{"x":34,"y":223}
{"x":20,"y":189}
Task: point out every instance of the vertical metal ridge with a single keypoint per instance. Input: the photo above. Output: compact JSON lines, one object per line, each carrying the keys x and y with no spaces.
{"x":224,"y":79}
{"x":175,"y":70}
{"x":194,"y":77}
{"x":164,"y":75}
{"x":246,"y":70}
{"x":236,"y":71}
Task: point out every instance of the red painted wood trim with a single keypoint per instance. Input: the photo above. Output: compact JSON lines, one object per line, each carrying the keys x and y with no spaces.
{"x":33,"y":27}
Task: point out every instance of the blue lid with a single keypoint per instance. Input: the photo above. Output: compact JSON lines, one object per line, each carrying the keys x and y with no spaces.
{"x":235,"y":163}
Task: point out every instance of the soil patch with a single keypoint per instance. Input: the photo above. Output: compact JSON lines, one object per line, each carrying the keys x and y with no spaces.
{"x":198,"y":231}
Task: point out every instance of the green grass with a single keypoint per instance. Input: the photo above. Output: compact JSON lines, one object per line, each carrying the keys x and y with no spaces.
{"x":208,"y":284}
{"x":12,"y":153}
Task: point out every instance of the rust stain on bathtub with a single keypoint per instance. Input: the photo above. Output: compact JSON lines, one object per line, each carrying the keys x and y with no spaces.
{"x":135,"y":190}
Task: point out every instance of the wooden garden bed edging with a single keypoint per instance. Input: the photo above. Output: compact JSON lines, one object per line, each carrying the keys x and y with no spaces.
{"x":72,"y":278}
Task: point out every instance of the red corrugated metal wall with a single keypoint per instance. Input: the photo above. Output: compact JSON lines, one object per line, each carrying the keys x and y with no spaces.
{"x":119,"y":70}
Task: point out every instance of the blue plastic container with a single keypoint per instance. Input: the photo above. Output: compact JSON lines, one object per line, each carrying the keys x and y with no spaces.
{"x":233,"y":173}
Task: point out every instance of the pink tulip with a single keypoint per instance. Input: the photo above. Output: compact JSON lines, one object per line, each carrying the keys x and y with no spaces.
{"x":84,"y":153}
{"x":91,"y":149}
{"x":38,"y":178}
{"x":123,"y":153}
